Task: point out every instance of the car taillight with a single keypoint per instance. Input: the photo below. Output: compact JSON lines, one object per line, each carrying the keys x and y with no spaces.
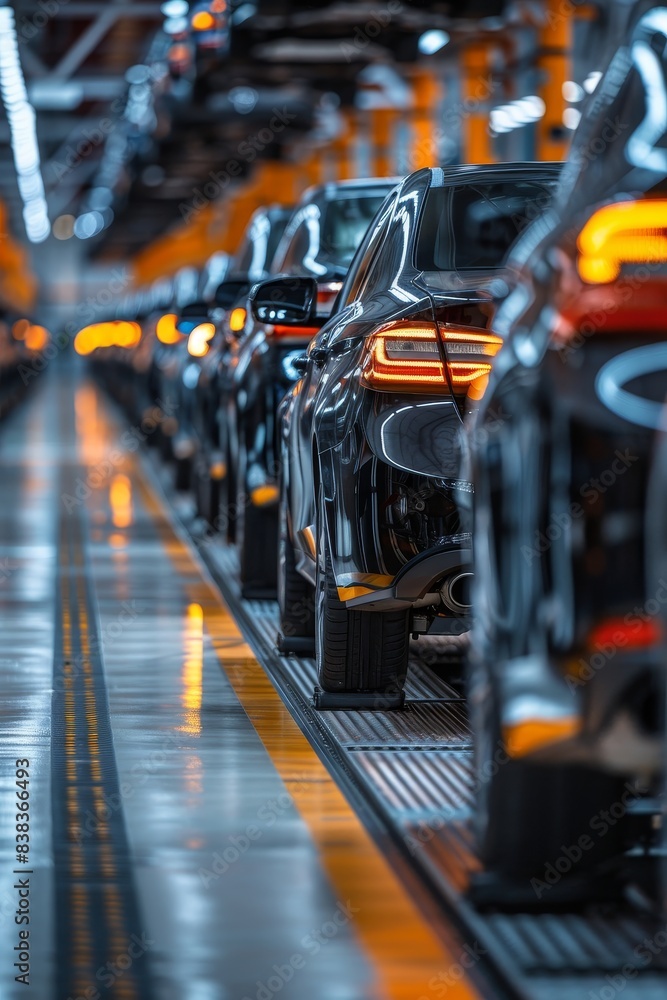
{"x":293,"y":332}
{"x":237,"y":319}
{"x":635,"y":634}
{"x":166,"y":329}
{"x":408,"y":357}
{"x":198,"y":341}
{"x":627,"y":232}
{"x":326,"y":296}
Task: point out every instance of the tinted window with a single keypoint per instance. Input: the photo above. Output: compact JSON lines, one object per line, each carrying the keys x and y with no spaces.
{"x":344,"y":225}
{"x":259,"y":246}
{"x":244,"y":255}
{"x":324,"y":237}
{"x":275,"y":235}
{"x":465,"y":227}
{"x":297,"y":249}
{"x":367,"y":252}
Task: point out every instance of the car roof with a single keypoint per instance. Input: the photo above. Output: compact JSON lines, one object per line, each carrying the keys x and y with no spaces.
{"x":461,"y":172}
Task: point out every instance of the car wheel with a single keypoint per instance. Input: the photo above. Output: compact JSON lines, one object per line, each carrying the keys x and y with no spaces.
{"x":257,"y":544}
{"x":227,"y":491}
{"x":533,"y":819}
{"x":183,"y":477}
{"x":200,"y":487}
{"x":355,"y":650}
{"x":296,"y":597}
{"x":212,"y":501}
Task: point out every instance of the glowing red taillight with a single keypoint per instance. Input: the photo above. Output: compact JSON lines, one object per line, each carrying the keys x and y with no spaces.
{"x":409,"y":357}
{"x":293,"y":332}
{"x":619,"y":633}
{"x":326,"y":296}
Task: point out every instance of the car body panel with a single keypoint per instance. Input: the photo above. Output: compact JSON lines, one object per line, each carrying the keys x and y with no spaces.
{"x":565,"y":630}
{"x":386,"y":460}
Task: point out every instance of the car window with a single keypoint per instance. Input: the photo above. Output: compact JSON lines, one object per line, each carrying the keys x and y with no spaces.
{"x":259,"y":245}
{"x":323,"y":238}
{"x":473,"y":226}
{"x":297,"y":248}
{"x":344,"y":225}
{"x":367,"y":252}
{"x":277,"y":228}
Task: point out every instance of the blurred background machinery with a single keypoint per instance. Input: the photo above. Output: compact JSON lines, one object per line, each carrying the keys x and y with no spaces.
{"x":161,"y":127}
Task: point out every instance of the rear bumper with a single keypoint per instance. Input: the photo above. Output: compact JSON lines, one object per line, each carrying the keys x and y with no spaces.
{"x":420,"y":576}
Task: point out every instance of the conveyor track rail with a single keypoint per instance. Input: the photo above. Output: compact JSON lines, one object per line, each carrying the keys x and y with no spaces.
{"x":410,"y":776}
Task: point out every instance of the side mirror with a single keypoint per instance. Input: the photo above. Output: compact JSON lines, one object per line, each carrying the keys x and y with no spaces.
{"x":285,"y":300}
{"x":228,"y":293}
{"x":191,"y":316}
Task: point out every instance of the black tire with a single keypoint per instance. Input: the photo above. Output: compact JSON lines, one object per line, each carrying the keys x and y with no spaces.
{"x":227,"y":492}
{"x":199,"y":487}
{"x":355,"y":650}
{"x":532,"y":816}
{"x":211,"y":502}
{"x":165,"y":445}
{"x":207,"y":493}
{"x":296,"y":596}
{"x":183,"y":473}
{"x":257,"y":543}
{"x":528,"y":814}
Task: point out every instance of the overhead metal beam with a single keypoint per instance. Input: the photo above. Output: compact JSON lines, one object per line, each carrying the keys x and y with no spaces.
{"x":52,"y":128}
{"x":86,"y":43}
{"x":62,"y":196}
{"x":84,"y":11}
{"x":66,"y":95}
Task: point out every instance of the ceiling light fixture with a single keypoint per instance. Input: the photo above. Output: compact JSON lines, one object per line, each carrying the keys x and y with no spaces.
{"x":432,"y":41}
{"x":22,"y":127}
{"x":175,"y":8}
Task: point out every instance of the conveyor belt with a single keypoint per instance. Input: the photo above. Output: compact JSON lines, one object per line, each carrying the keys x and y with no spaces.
{"x":415,"y":771}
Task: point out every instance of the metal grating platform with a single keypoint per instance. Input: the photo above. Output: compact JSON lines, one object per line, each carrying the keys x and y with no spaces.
{"x":415,"y":769}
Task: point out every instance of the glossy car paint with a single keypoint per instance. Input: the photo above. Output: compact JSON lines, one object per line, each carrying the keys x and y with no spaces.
{"x":561,"y":465}
{"x":251,"y":263}
{"x":388,"y":461}
{"x":260,"y":370}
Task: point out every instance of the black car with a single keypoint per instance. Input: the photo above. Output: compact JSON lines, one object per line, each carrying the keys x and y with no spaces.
{"x":567,"y":668}
{"x":371,"y":544}
{"x":319,"y":242}
{"x":167,"y":362}
{"x":251,"y":263}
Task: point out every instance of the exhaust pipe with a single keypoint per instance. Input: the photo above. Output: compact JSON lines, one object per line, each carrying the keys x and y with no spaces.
{"x":455,"y":592}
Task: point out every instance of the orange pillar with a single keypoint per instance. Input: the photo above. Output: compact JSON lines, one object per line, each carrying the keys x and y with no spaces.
{"x":426,"y":93}
{"x":311,"y":167}
{"x":280,"y":186}
{"x":342,"y":148}
{"x":554,"y":67}
{"x":239,"y":207}
{"x":383,"y":123}
{"x":476,"y":142}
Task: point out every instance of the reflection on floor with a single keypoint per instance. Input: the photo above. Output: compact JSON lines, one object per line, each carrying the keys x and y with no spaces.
{"x":174,"y":852}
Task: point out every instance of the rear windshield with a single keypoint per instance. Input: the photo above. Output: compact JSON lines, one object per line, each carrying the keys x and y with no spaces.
{"x":344,"y":226}
{"x":473,"y":226}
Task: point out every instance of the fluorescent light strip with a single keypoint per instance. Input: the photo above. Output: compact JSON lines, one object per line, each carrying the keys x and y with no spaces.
{"x":21,"y":118}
